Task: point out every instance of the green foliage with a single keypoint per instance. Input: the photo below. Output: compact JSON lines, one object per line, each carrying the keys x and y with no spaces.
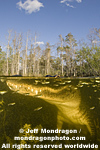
{"x":89,"y":60}
{"x":70,"y":40}
{"x":2,"y":61}
{"x":67,"y":58}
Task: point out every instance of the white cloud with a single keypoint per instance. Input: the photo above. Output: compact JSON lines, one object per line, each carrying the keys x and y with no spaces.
{"x":70,"y":5}
{"x":63,"y":1}
{"x":66,"y":2}
{"x":79,"y":1}
{"x":30,"y":6}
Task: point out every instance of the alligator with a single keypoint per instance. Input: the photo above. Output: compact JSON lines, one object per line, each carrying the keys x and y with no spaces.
{"x":66,"y":98}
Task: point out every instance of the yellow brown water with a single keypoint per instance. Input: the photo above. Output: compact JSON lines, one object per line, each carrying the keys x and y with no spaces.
{"x":58,"y":103}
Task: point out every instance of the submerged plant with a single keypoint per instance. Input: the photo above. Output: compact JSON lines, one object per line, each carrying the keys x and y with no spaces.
{"x":27,"y":127}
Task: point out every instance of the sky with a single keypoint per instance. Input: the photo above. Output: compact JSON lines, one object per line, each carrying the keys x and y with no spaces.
{"x":49,"y":18}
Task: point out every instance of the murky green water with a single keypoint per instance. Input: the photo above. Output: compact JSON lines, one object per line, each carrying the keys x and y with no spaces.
{"x":51,"y":103}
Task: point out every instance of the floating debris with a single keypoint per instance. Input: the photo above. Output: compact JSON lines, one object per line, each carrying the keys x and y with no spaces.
{"x":95,"y":90}
{"x":37,"y":81}
{"x":38,"y":108}
{"x":62,"y":83}
{"x":1,"y":110}
{"x":99,"y":98}
{"x":97,"y":78}
{"x":45,"y":82}
{"x":98,"y":81}
{"x":56,"y":85}
{"x":3,"y":92}
{"x":75,"y":88}
{"x":85,"y":83}
{"x":94,"y":85}
{"x":80,"y":85}
{"x":11,"y":104}
{"x":68,"y":81}
{"x":92,"y":108}
{"x":88,"y":86}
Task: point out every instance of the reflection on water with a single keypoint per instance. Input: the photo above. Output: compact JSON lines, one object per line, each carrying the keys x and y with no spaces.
{"x":74,"y":103}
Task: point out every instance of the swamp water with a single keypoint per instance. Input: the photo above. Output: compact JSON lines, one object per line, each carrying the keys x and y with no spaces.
{"x":64,"y":109}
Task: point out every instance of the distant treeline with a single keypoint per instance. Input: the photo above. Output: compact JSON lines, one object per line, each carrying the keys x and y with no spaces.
{"x":68,"y":57}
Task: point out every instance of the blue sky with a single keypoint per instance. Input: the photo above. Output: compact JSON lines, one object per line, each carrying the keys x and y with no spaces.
{"x":49,"y":18}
